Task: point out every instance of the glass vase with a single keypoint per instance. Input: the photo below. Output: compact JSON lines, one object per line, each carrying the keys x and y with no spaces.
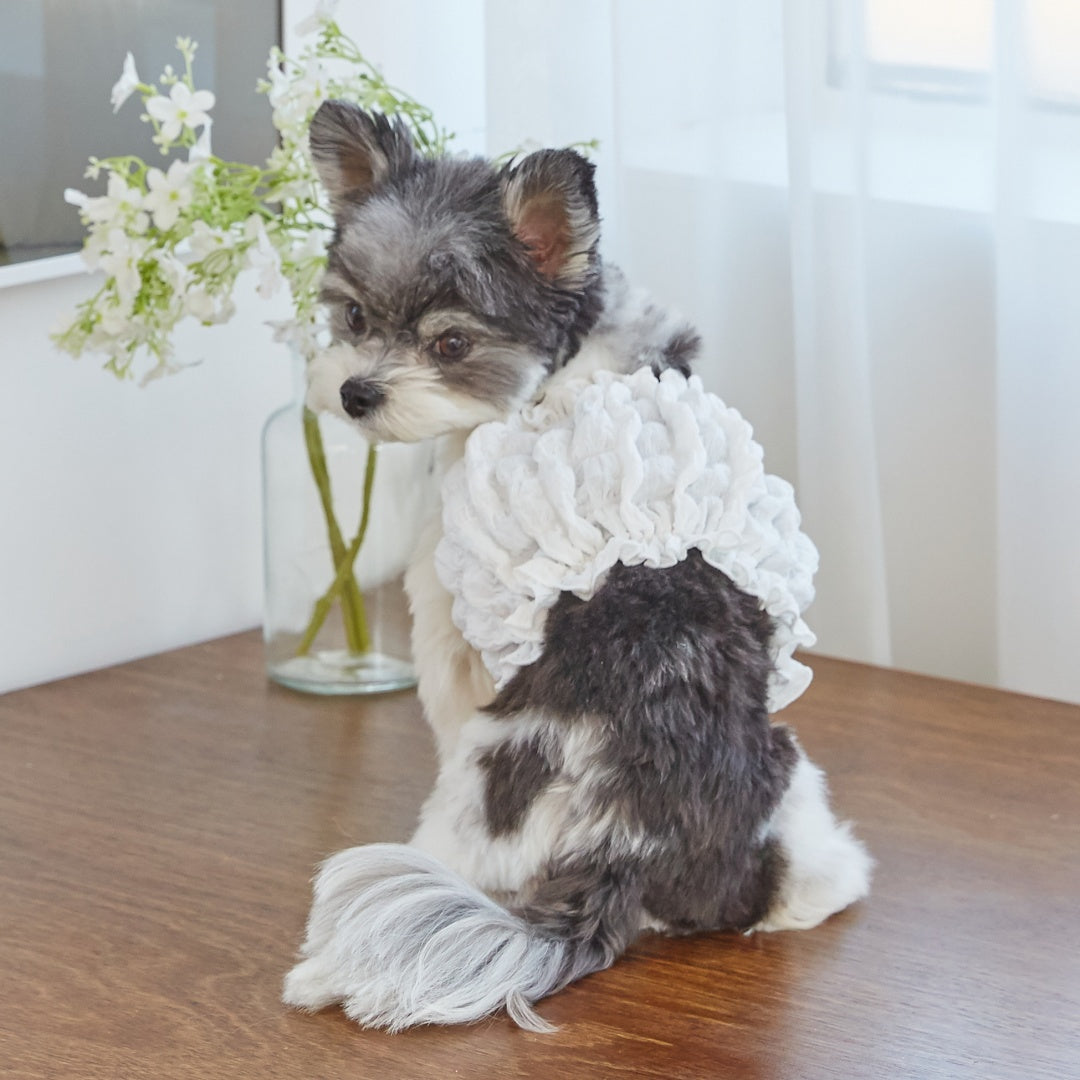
{"x":340,"y":520}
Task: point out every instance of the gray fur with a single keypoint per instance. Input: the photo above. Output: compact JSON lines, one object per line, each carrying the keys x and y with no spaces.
{"x":413,"y":232}
{"x":416,"y":236}
{"x":643,"y":334}
{"x":671,"y":668}
{"x":679,"y":351}
{"x":355,"y":151}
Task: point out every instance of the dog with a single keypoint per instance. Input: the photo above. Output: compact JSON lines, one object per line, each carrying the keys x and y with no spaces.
{"x":630,"y":778}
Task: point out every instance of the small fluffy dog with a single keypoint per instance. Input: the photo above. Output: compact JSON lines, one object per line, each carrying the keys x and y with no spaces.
{"x":629,"y":779}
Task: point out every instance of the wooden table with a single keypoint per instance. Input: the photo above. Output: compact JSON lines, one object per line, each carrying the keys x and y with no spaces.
{"x":159,"y":823}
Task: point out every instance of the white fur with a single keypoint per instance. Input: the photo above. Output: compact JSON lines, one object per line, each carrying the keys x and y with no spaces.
{"x":326,"y":372}
{"x":562,"y":820}
{"x":452,"y":681}
{"x":418,"y":404}
{"x":400,"y":940}
{"x":827,"y":868}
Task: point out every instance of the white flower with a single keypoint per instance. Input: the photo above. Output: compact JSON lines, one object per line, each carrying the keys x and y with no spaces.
{"x":121,"y":205}
{"x":294,"y":177}
{"x":166,"y":365}
{"x":324,"y":12}
{"x":261,"y":256}
{"x":169,"y":193}
{"x":174,"y":274}
{"x":213,"y":249}
{"x":95,"y":245}
{"x":201,"y":150}
{"x":311,"y":249}
{"x":126,"y":85}
{"x":120,"y":260}
{"x":294,"y":97}
{"x":186,"y":48}
{"x":182,"y":108}
{"x":205,"y":241}
{"x":64,"y":325}
{"x":200,"y":304}
{"x":116,"y":322}
{"x":226,"y":310}
{"x":305,"y":335}
{"x":162,"y":369}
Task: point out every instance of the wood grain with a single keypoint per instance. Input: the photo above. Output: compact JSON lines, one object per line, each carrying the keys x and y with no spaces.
{"x":159,"y":824}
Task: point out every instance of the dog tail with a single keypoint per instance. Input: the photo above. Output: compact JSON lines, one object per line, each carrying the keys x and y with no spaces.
{"x":398,"y":940}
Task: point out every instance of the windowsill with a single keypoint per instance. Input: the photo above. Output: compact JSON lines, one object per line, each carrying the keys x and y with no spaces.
{"x":54,"y":266}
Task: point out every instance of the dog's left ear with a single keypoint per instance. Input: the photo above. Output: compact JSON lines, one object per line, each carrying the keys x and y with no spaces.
{"x":550,"y":201}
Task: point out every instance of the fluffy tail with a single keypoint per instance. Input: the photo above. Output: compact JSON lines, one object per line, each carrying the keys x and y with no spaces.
{"x":399,"y":940}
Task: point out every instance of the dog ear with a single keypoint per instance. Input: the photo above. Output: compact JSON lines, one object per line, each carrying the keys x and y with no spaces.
{"x":550,"y":201}
{"x":355,"y":152}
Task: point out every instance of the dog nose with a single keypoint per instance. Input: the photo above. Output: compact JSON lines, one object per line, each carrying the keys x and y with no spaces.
{"x":360,"y":396}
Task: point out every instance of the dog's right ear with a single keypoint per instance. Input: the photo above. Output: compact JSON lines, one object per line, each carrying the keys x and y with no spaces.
{"x":355,"y":152}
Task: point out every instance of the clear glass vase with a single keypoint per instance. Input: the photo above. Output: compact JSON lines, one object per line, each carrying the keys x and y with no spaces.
{"x":340,"y":520}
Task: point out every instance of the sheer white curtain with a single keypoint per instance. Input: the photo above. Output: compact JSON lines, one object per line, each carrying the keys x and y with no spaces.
{"x":872,"y":210}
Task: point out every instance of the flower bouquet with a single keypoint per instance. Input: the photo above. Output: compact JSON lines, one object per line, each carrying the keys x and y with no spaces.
{"x":172,"y":242}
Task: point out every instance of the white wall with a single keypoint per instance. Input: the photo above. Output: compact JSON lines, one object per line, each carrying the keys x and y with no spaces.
{"x":129,"y":517}
{"x":432,"y":49}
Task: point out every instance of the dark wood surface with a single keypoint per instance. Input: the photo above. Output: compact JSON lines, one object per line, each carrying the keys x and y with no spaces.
{"x":159,"y":824}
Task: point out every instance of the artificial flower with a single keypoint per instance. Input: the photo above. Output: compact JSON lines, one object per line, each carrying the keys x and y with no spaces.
{"x":173,"y":243}
{"x":183,"y":108}
{"x":323,"y":13}
{"x":121,"y":204}
{"x":120,"y":260}
{"x":262,"y":257}
{"x":205,"y":241}
{"x":126,"y":85}
{"x":168,"y":193}
{"x":200,"y":151}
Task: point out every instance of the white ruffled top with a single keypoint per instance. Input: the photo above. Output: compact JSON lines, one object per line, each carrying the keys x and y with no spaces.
{"x":613,"y":468}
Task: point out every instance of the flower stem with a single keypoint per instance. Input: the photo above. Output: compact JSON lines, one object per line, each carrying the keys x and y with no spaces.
{"x":352,"y":601}
{"x":344,"y":576}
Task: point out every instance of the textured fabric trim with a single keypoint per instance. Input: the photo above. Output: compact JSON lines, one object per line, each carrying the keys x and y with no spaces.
{"x":617,"y":468}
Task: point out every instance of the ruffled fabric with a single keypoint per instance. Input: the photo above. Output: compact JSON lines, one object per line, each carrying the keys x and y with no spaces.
{"x":617,"y":468}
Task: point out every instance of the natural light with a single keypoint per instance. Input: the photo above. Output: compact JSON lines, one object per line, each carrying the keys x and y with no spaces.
{"x":959,"y":37}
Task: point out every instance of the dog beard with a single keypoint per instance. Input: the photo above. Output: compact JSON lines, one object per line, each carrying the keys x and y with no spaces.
{"x":416,"y":401}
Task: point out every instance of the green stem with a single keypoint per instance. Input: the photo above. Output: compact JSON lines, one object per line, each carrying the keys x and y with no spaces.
{"x":344,"y":566}
{"x":352,"y":601}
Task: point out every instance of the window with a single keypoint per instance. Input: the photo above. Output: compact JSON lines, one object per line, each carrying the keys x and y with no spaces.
{"x":58,"y":62}
{"x":947,"y":50}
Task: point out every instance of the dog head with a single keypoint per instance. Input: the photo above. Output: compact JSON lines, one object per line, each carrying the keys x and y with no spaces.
{"x":454,"y":288}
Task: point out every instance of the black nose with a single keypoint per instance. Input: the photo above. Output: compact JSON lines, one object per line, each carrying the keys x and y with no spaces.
{"x":360,"y":396}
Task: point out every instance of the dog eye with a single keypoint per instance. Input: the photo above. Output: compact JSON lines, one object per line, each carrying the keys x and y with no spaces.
{"x":354,"y":318}
{"x":452,"y":345}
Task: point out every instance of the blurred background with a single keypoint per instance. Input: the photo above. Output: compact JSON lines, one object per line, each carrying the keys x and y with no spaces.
{"x":871,"y":208}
